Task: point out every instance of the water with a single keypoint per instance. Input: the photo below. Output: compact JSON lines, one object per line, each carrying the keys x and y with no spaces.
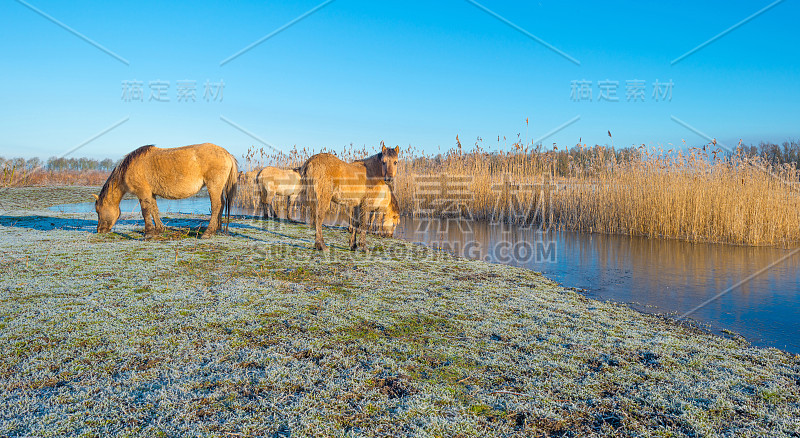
{"x":193,"y":205}
{"x":759,"y":294}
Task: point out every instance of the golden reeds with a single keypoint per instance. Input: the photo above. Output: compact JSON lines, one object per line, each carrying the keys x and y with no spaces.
{"x":694,"y":195}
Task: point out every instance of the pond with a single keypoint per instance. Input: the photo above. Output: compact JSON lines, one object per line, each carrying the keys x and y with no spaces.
{"x":753,"y":291}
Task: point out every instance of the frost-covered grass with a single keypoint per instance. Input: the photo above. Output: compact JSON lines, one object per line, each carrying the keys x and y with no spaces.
{"x":256,"y":334}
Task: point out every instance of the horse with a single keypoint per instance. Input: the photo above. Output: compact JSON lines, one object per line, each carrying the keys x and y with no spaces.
{"x":247,"y":188}
{"x":384,"y":212}
{"x":272,"y":182}
{"x":172,"y":173}
{"x":360,"y":186}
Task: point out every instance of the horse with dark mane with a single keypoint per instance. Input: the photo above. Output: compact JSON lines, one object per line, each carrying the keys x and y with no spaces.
{"x":358,"y":186}
{"x":173,"y":173}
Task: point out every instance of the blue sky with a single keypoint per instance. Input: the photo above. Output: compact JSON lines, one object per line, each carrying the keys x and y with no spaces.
{"x":409,"y":73}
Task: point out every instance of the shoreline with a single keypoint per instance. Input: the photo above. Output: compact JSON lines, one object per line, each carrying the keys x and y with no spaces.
{"x":255,"y":333}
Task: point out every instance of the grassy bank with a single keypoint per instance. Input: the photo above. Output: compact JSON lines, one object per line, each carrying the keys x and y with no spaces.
{"x":255,"y":334}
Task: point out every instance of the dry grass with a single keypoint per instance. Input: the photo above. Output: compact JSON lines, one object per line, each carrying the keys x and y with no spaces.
{"x":17,"y":177}
{"x":697,"y":195}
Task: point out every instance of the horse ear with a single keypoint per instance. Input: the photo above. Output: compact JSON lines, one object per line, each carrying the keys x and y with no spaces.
{"x":397,"y":149}
{"x":383,"y":148}
{"x":96,"y":198}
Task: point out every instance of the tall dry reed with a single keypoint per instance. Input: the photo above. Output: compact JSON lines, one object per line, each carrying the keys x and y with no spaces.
{"x":698,"y":195}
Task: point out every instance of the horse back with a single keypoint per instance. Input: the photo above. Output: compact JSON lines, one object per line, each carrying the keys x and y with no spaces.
{"x":327,"y":175}
{"x":176,"y":173}
{"x":283,"y":182}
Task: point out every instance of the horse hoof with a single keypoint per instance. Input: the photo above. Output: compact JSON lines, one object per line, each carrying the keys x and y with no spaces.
{"x":320,"y":246}
{"x":206,"y":235}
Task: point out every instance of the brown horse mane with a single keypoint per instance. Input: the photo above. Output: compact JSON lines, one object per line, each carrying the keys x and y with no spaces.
{"x":378,"y":156}
{"x":119,"y":172}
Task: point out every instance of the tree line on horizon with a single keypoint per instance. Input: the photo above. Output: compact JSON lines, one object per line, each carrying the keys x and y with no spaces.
{"x":58,"y":164}
{"x":786,"y":153}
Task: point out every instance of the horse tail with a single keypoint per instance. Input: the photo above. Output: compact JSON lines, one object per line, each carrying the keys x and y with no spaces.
{"x":309,"y":194}
{"x":230,"y":190}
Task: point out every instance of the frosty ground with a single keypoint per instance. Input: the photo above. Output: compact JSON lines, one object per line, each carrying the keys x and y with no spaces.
{"x":253,"y":333}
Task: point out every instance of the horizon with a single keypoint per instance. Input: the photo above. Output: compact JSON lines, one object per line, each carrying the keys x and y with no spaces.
{"x":335,"y":73}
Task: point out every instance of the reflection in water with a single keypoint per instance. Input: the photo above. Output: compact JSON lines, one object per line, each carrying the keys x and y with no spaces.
{"x":663,"y":276}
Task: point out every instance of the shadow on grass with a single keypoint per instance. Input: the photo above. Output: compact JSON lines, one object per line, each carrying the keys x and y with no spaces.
{"x":273,"y":226}
{"x":177,"y":228}
{"x":49,"y":223}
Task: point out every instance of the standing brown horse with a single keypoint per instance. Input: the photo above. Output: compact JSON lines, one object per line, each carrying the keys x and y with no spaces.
{"x":174,"y":173}
{"x":355,"y":185}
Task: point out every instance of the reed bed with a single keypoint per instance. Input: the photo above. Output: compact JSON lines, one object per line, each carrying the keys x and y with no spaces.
{"x":11,"y":176}
{"x":698,"y":194}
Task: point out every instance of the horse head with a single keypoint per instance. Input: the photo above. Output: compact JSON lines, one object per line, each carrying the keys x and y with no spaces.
{"x":107,"y":214}
{"x":389,"y":157}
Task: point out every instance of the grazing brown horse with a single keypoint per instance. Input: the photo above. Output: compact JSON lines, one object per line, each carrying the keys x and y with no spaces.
{"x":174,"y":173}
{"x":359,"y":186}
{"x":384,"y":212}
{"x":273,"y":182}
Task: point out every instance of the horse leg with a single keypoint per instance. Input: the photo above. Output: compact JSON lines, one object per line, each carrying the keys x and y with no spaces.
{"x":215,"y":193}
{"x":362,"y":236}
{"x":354,"y":225}
{"x":273,"y":212}
{"x":319,"y":208}
{"x":147,"y":213}
{"x":263,"y":203}
{"x":371,"y":220}
{"x":156,"y":215}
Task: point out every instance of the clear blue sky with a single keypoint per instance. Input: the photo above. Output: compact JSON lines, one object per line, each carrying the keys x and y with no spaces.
{"x":409,"y":73}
